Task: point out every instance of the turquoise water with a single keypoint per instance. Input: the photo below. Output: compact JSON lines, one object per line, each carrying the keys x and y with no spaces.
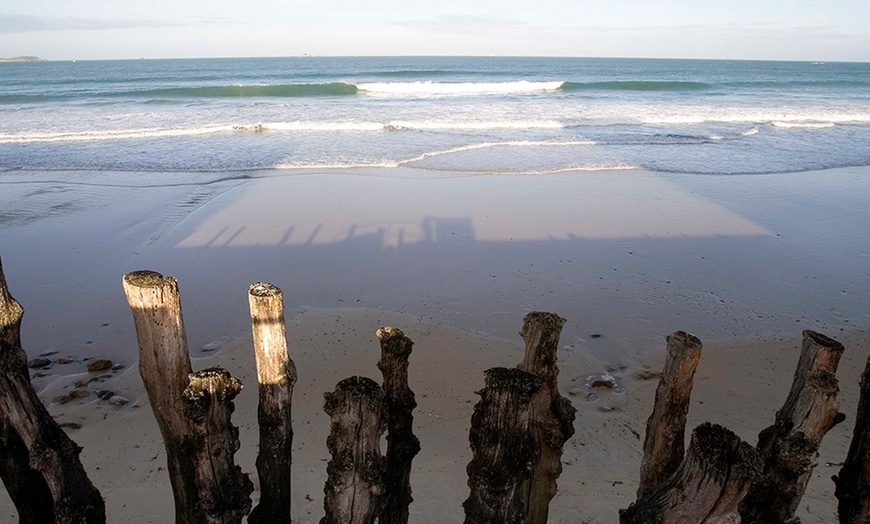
{"x":465,"y":115}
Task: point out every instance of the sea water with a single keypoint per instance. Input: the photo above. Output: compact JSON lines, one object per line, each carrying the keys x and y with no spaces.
{"x":465,"y":115}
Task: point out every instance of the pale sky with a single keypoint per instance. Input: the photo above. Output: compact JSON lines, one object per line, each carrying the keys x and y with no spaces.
{"x":736,"y":29}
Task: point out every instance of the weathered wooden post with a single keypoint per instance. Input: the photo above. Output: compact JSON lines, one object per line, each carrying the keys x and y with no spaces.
{"x":789,"y":448}
{"x":853,"y":482}
{"x":663,"y":444}
{"x":399,"y":404}
{"x":276,"y":375}
{"x":39,"y":464}
{"x":708,"y":485}
{"x":354,"y":490}
{"x":503,"y":446}
{"x":192,"y":410}
{"x":552,"y":415}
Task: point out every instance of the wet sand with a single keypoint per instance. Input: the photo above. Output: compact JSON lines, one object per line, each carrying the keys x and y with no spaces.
{"x":745,"y":263}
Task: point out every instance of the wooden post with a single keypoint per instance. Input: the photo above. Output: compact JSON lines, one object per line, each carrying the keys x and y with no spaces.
{"x":853,"y":482}
{"x":666,"y":427}
{"x":276,"y":375}
{"x":789,"y":448}
{"x":552,"y":415}
{"x":164,"y":365}
{"x":708,"y":485}
{"x":354,"y":491}
{"x":503,"y":447}
{"x":399,"y":404}
{"x":224,"y":492}
{"x":39,"y":464}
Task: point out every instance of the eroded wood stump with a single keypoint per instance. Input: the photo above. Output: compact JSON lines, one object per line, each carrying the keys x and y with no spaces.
{"x":194,"y":421}
{"x":663,"y":444}
{"x":789,"y":448}
{"x":276,"y":374}
{"x":706,"y":488}
{"x":354,"y":491}
{"x":504,"y":449}
{"x":224,"y":492}
{"x":39,"y":464}
{"x":552,"y":415}
{"x":399,"y":404}
{"x":853,"y":481}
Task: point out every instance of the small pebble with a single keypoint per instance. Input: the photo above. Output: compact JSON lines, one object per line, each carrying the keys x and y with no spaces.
{"x":63,"y":360}
{"x":105,"y":394}
{"x":116,"y":367}
{"x":118,"y":401}
{"x":48,"y":353}
{"x":39,"y":363}
{"x":99,"y":365}
{"x":71,"y":425}
{"x":211,"y":346}
{"x":595,"y":335}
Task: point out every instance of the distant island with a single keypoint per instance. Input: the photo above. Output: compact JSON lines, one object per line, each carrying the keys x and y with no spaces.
{"x":23,"y":59}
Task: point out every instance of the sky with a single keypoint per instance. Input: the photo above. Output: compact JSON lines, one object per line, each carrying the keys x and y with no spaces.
{"x":736,"y":29}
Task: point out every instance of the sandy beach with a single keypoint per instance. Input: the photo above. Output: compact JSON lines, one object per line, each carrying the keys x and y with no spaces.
{"x":743,"y":262}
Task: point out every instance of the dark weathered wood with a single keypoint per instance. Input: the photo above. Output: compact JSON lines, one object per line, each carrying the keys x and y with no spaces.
{"x":276,"y":375}
{"x":708,"y":486}
{"x":503,"y":447}
{"x":164,"y":365}
{"x":789,"y":448}
{"x":552,"y":415}
{"x":399,"y":404}
{"x":224,"y":492}
{"x":853,"y":481}
{"x":354,"y":491}
{"x":39,"y":464}
{"x":664,"y":442}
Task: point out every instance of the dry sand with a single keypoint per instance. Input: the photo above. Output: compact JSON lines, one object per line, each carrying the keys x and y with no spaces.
{"x":745,"y":263}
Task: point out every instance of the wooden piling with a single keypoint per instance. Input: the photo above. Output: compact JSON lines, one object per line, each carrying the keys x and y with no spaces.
{"x":39,"y":463}
{"x":664,"y":442}
{"x":276,"y":374}
{"x":789,"y":448}
{"x":853,"y":481}
{"x":552,"y":415}
{"x":354,"y":490}
{"x":707,"y":487}
{"x":205,"y":490}
{"x":503,"y":447}
{"x":399,"y":404}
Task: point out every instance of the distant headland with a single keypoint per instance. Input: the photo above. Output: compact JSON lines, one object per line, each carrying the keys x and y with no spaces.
{"x":23,"y":59}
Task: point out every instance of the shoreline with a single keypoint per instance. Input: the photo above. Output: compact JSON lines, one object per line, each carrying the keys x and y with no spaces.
{"x":744,"y":262}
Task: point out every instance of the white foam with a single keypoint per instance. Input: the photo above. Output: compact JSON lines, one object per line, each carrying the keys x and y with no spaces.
{"x":447,"y":88}
{"x":487,"y":145}
{"x":749,"y":132}
{"x":809,"y":125}
{"x":446,"y":125}
{"x":117,"y":134}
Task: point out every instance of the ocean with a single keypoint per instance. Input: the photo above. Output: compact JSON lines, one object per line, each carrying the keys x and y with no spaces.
{"x":464,"y":115}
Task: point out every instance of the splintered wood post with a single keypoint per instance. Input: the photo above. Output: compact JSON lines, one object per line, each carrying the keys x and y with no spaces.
{"x":664,"y":442}
{"x":276,"y":375}
{"x":39,"y":464}
{"x":399,"y":404}
{"x":503,"y":447}
{"x":789,"y":448}
{"x":708,"y":485}
{"x":192,"y":410}
{"x":853,"y":482}
{"x":225,"y":492}
{"x":552,"y":415}
{"x":354,"y":491}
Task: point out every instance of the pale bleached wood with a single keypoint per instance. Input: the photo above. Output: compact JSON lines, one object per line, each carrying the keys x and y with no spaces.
{"x":552,"y":415}
{"x":664,"y":442}
{"x":194,"y":421}
{"x":276,"y":374}
{"x":39,"y":464}
{"x":789,"y":448}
